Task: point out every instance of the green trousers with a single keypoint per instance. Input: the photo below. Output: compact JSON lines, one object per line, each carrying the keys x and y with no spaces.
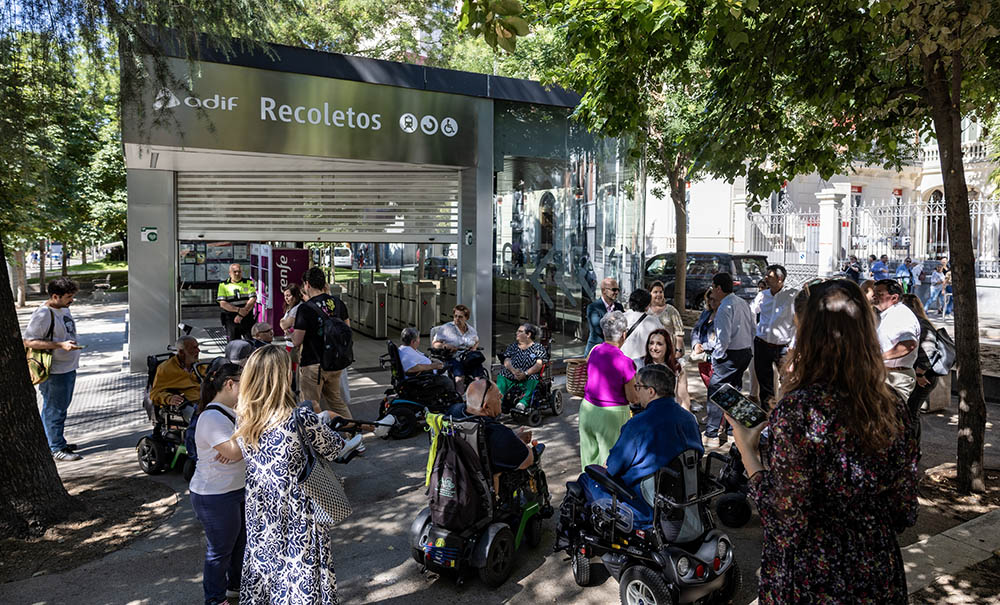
{"x":505,"y":384}
{"x":599,"y":430}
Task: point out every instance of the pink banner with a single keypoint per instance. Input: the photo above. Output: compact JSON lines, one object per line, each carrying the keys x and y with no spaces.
{"x":287,"y":267}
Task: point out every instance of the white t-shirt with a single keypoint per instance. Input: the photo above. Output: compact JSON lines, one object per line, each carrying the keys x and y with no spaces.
{"x":290,"y":313}
{"x":898,"y":324}
{"x":64,"y":328}
{"x":210,"y":476}
{"x":411,"y":357}
{"x":916,"y":270}
{"x":450,"y":335}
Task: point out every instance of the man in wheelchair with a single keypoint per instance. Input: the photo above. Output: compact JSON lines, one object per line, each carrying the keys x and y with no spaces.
{"x":646,"y":514}
{"x":176,"y":384}
{"x":481,"y":534}
{"x":648,"y":442}
{"x":418,"y":366}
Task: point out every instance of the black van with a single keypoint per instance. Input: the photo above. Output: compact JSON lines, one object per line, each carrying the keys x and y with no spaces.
{"x":746,"y":269}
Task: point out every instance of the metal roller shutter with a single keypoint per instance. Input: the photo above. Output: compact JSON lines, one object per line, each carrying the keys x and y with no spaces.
{"x":319,"y":206}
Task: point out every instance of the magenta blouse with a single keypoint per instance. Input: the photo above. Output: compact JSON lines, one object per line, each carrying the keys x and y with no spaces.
{"x":608,"y":369}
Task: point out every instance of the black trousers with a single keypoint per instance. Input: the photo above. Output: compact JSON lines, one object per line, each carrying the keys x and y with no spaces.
{"x":765,"y":356}
{"x":236,"y":330}
{"x":728,"y":369}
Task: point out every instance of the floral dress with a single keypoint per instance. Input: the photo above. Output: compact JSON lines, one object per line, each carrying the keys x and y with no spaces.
{"x":289,"y":558}
{"x":829,"y":510}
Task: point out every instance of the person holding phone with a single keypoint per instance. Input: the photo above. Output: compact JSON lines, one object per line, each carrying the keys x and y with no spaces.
{"x":842,"y":472}
{"x":52,"y":327}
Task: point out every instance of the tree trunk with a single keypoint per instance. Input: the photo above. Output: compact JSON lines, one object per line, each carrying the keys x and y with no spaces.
{"x":678,"y":195}
{"x":378,"y":260}
{"x":64,"y":258}
{"x":22,"y":277}
{"x":32,"y":495}
{"x":42,"y":259}
{"x":944,"y":93}
{"x":83,"y":254}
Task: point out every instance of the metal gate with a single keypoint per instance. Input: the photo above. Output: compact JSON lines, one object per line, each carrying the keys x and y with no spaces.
{"x":404,"y":207}
{"x":788,"y":238}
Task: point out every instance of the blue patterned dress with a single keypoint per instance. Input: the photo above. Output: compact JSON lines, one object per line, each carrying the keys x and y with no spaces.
{"x":830,"y":511}
{"x":289,"y":558}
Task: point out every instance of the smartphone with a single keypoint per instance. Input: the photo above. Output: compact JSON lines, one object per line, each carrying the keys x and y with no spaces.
{"x":737,"y":405}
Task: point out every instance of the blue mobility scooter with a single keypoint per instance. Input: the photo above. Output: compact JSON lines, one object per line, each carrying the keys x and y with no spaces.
{"x":676,"y":556}
{"x":510,"y":511}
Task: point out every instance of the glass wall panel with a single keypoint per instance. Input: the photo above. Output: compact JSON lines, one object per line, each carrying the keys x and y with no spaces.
{"x":568,"y":212}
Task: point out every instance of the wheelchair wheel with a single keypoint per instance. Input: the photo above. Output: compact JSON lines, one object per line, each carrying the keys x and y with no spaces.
{"x":533,"y":531}
{"x":556,"y":402}
{"x":406,"y":423}
{"x":499,"y":559}
{"x":727,"y":594}
{"x":152,"y":455}
{"x":581,"y":568}
{"x":189,"y":466}
{"x":641,"y":585}
{"x":733,"y":510}
{"x":534,"y":418}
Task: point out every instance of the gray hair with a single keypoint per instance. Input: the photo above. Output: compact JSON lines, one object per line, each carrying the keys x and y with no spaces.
{"x":660,"y":377}
{"x":614,"y":325}
{"x":408,"y":335}
{"x":179,"y":344}
{"x":260,"y":326}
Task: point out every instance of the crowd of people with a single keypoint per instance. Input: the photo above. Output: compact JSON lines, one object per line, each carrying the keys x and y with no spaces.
{"x":842,"y":372}
{"x":929,"y":280}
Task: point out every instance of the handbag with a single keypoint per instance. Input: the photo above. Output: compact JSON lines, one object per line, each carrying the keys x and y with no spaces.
{"x":319,"y":482}
{"x":40,"y":360}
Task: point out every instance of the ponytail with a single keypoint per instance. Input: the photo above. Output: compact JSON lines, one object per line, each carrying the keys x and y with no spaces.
{"x":215,"y":380}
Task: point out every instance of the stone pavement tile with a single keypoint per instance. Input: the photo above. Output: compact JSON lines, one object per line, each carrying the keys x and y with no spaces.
{"x":105,"y":401}
{"x":983,"y":532}
{"x":937,"y":556}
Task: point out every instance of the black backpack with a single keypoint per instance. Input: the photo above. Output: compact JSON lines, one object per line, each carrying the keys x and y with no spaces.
{"x":943,"y":359}
{"x":337,"y":338}
{"x":457,"y":486}
{"x":189,"y":443}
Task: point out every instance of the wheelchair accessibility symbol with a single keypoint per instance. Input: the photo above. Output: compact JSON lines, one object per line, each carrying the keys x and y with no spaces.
{"x":408,"y":122}
{"x":449,"y":127}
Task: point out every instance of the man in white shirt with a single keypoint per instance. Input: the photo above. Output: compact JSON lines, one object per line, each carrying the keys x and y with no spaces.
{"x":416,"y":363}
{"x":898,"y":335}
{"x":51,"y":327}
{"x":775,"y":329}
{"x":732,"y":354}
{"x":937,"y":289}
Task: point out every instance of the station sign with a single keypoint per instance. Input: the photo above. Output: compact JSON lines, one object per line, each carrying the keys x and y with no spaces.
{"x":245,"y":109}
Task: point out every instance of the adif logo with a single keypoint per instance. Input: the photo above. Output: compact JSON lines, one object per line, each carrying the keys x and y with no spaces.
{"x":165,"y":99}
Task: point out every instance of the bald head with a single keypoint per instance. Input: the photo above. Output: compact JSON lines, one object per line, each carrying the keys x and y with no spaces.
{"x":482,"y":398}
{"x":609,"y":289}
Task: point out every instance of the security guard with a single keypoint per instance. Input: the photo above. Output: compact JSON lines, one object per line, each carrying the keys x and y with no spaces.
{"x":237,"y":297}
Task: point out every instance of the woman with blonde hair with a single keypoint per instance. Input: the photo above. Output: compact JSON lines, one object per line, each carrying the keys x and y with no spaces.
{"x":289,"y":556}
{"x":842,"y":459}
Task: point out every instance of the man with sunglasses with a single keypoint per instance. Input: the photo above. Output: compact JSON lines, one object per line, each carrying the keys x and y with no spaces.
{"x":649,"y":441}
{"x":607,"y":303}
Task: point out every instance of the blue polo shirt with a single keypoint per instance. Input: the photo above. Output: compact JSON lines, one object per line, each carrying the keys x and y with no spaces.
{"x":879,"y":270}
{"x":650,"y":440}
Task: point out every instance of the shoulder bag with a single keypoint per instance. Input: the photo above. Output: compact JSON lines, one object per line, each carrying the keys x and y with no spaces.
{"x":40,"y":360}
{"x":319,"y":482}
{"x":635,"y":325}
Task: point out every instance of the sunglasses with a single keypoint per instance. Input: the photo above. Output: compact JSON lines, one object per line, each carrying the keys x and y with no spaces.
{"x":614,"y":289}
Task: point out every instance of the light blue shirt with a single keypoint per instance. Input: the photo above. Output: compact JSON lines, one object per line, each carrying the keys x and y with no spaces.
{"x":734,"y":326}
{"x":410,"y":357}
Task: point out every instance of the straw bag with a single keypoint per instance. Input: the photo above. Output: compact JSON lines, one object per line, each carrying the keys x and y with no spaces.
{"x":320,"y":483}
{"x":576,"y":376}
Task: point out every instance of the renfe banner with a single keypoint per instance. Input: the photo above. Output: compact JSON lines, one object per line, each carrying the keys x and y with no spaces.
{"x":255,"y":110}
{"x":287,"y":267}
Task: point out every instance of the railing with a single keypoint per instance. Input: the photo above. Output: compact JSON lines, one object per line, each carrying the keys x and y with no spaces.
{"x":975,"y":151}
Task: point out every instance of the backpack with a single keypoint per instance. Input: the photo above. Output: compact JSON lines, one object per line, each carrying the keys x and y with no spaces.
{"x":457,"y":485}
{"x":189,"y":443}
{"x":338,"y":340}
{"x":943,"y":359}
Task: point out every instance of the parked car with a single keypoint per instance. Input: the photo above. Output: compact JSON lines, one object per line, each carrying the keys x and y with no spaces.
{"x":437,"y":267}
{"x":342,"y":256}
{"x":746,"y":269}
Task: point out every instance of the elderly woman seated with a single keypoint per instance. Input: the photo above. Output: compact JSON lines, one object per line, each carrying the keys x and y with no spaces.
{"x":522,"y":362}
{"x":649,"y":441}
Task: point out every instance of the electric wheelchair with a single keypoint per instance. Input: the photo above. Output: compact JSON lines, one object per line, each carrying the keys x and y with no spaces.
{"x":544,"y":397}
{"x":411,"y":397}
{"x":677,"y":556}
{"x":514,"y":505}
